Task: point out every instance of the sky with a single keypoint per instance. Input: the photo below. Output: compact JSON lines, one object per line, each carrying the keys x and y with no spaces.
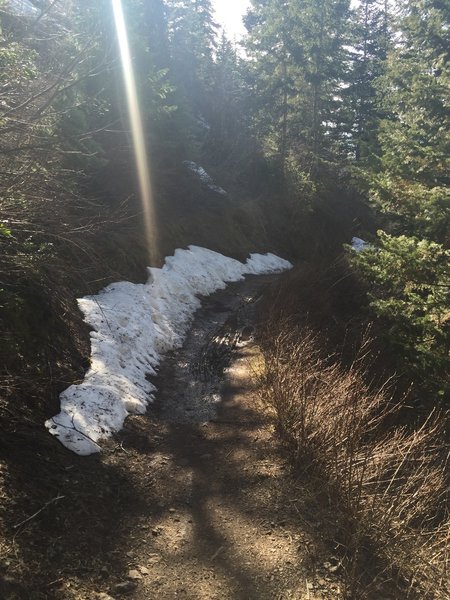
{"x":229,"y":15}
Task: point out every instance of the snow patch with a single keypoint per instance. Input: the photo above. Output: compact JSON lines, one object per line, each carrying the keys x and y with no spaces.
{"x":358,"y":244}
{"x":266,"y":263}
{"x":134,"y":326}
{"x":204,"y":177}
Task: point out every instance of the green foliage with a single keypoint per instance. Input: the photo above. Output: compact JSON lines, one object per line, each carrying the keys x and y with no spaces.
{"x":225,"y":121}
{"x":299,"y":57}
{"x":409,"y":272}
{"x":370,"y":41}
{"x":16,"y":62}
{"x":410,"y":290}
{"x":192,"y":40}
{"x":412,"y":184}
{"x":5,"y":231}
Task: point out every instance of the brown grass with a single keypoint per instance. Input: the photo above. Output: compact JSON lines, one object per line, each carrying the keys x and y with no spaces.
{"x":387,"y":482}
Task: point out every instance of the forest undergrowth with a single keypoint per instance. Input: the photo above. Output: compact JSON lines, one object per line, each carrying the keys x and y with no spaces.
{"x":377,"y":469}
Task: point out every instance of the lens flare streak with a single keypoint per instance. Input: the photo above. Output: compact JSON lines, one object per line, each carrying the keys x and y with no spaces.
{"x":137,"y":130}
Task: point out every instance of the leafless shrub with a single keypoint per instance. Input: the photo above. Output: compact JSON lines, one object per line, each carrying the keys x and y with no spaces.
{"x":388,"y":482}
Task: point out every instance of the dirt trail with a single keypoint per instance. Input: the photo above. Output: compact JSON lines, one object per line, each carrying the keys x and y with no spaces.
{"x":190,"y":501}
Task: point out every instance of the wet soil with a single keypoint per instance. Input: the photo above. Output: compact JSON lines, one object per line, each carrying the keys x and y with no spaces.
{"x":193,"y":500}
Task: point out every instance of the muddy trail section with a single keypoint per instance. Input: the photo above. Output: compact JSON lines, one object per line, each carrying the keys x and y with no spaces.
{"x":193,"y":500}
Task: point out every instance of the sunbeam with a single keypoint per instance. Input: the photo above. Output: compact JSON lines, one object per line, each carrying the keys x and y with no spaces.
{"x":139,"y":145}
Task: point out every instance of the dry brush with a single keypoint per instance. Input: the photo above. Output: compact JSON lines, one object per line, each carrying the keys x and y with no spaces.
{"x":387,"y":480}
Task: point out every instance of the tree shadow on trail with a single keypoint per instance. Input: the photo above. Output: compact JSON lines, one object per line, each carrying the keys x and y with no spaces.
{"x":244,"y":527}
{"x":102,"y":525}
{"x":66,"y":520}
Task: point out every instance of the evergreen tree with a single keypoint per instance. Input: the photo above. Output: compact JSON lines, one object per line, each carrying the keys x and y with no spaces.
{"x":299,"y":62}
{"x":192,"y":38}
{"x":271,"y":75}
{"x":412,"y":186}
{"x":370,"y":42}
{"x":409,"y":271}
{"x":410,"y":292}
{"x":228,"y":127}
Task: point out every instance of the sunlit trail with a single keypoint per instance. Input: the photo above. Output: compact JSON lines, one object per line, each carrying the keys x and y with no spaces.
{"x":134,"y":112}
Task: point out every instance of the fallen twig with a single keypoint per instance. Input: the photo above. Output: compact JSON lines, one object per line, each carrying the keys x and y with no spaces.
{"x":52,"y":501}
{"x":216,"y":553}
